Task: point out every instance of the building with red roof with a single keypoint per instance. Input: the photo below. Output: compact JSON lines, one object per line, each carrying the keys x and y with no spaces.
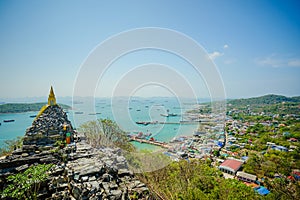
{"x":231,"y":166}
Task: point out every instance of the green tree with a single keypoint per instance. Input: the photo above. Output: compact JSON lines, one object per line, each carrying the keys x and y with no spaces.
{"x":26,"y":185}
{"x":195,"y":180}
{"x":10,"y":145}
{"x":106,"y":132}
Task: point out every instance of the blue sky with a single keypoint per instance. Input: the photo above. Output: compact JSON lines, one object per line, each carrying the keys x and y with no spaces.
{"x":254,"y":43}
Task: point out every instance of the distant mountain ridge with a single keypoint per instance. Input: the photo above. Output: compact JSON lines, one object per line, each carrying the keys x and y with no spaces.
{"x":24,"y":107}
{"x":265,"y":100}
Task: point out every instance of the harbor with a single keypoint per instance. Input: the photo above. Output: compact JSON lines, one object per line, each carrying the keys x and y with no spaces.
{"x":157,"y":122}
{"x":152,"y":142}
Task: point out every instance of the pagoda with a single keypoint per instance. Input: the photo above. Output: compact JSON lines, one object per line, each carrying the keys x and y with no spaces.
{"x":51,"y":102}
{"x":49,"y":126}
{"x":51,"y":98}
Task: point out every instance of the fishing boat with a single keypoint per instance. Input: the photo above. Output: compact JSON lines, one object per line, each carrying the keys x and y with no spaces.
{"x":169,"y":115}
{"x":143,"y":123}
{"x":8,"y":120}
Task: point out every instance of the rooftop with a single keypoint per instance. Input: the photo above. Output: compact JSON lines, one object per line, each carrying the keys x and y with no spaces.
{"x":231,"y":164}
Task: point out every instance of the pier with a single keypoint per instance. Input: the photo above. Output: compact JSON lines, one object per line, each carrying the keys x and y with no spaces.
{"x":156,"y":122}
{"x":157,"y":143}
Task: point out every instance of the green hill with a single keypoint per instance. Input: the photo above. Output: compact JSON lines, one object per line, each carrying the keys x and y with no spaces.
{"x":24,"y":107}
{"x":265,"y":100}
{"x":268,"y":104}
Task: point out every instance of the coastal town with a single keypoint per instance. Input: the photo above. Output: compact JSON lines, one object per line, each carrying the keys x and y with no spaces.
{"x":256,"y":143}
{"x":254,"y":146}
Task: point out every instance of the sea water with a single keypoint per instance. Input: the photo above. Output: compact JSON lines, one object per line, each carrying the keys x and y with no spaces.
{"x":124,"y":111}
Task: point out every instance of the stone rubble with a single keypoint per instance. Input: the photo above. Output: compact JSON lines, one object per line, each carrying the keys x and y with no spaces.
{"x":46,"y":129}
{"x":80,"y":171}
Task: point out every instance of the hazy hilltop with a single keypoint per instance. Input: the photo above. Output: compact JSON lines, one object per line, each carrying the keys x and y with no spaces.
{"x":271,"y":104}
{"x":265,"y":100}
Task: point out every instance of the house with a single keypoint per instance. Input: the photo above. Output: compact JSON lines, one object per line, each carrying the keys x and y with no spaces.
{"x":262,"y":190}
{"x":243,"y":176}
{"x":296,"y":174}
{"x":231,"y":166}
{"x":280,"y":148}
{"x":293,"y":140}
{"x":270,"y":144}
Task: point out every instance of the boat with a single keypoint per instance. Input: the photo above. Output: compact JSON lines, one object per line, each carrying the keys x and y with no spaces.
{"x":146,"y":123}
{"x":143,"y":135}
{"x":143,"y":123}
{"x":32,"y":116}
{"x":78,"y":112}
{"x":138,"y":110}
{"x":8,"y":120}
{"x":169,"y":115}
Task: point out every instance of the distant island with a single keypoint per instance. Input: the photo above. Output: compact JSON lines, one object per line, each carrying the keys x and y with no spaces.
{"x":25,"y":107}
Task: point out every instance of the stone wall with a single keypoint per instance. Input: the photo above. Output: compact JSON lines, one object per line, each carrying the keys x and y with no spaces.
{"x":47,"y":129}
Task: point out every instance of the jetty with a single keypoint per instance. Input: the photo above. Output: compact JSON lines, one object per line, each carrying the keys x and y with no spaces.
{"x":153,"y":142}
{"x":156,"y":122}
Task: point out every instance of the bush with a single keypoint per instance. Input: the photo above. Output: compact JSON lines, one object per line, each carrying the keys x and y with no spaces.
{"x":26,"y":185}
{"x":195,"y":180}
{"x":10,"y":145}
{"x":105,"y":132}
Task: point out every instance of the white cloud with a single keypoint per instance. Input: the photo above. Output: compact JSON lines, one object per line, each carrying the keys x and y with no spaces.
{"x":294,"y":63}
{"x":215,"y":54}
{"x":277,"y":61}
{"x":270,"y":61}
{"x":229,"y":61}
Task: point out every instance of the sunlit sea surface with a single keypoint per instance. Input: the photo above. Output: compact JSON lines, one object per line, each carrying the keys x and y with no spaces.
{"x":125,"y":111}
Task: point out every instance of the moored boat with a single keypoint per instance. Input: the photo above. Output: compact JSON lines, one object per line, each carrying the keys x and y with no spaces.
{"x":169,"y":115}
{"x":8,"y":120}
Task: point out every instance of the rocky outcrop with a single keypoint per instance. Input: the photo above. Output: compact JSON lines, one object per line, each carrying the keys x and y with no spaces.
{"x":98,"y":174}
{"x":87,"y":173}
{"x":47,"y":129}
{"x":80,"y":171}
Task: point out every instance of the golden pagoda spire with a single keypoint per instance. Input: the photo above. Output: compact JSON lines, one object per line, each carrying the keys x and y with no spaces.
{"x":51,"y":98}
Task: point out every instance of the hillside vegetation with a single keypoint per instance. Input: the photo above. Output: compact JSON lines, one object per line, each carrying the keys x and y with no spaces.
{"x":195,"y":180}
{"x":265,"y":100}
{"x":269,"y":104}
